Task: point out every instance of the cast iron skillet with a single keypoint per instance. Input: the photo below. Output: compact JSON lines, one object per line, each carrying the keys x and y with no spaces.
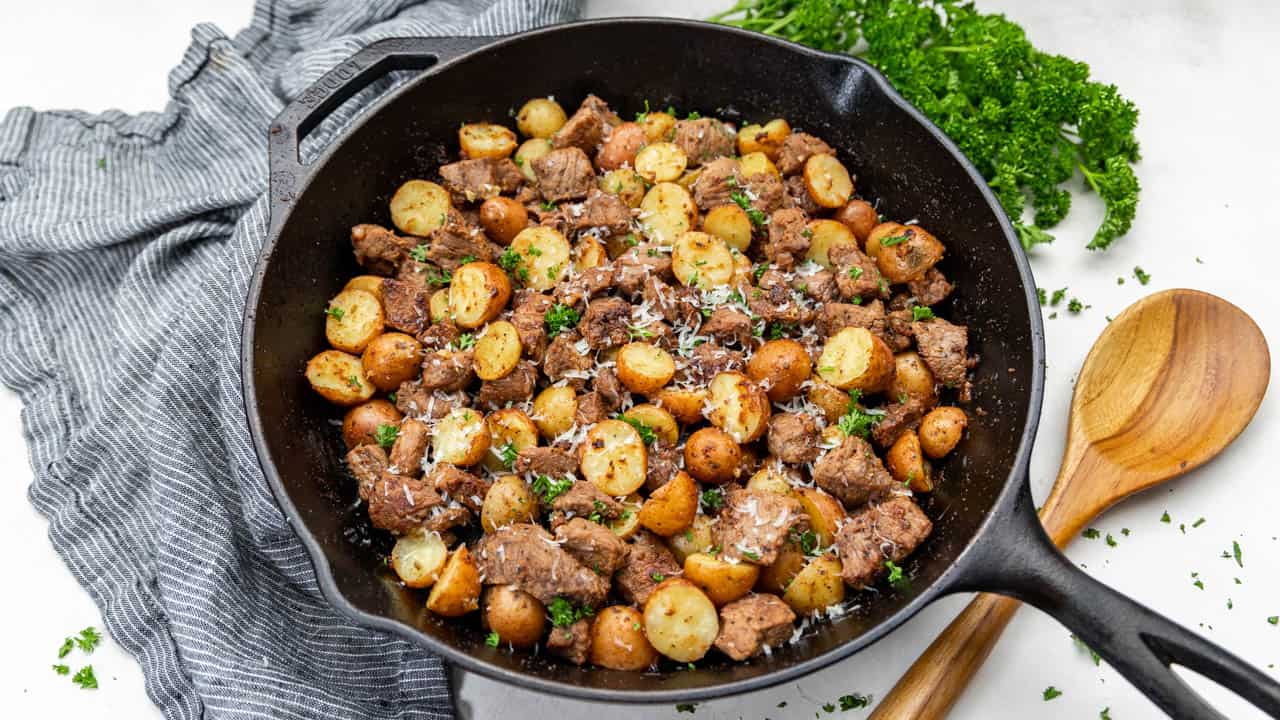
{"x":986,"y":537}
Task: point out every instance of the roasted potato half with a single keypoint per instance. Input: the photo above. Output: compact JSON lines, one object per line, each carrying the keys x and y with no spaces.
{"x":480,"y":291}
{"x":645,"y":368}
{"x":731,"y":224}
{"x":360,"y":424}
{"x":684,"y":404}
{"x":941,"y":430}
{"x":671,"y":508}
{"x":777,"y":577}
{"x":589,"y":253}
{"x":626,"y":184}
{"x":661,"y":162}
{"x":457,"y":591}
{"x":540,"y":118}
{"x":817,"y":586}
{"x":621,"y":149}
{"x":531,"y":150}
{"x":721,"y":580}
{"x":827,"y":181}
{"x":553,"y":411}
{"x":438,"y":305}
{"x":486,"y":140}
{"x":908,"y":254}
{"x":667,"y":212}
{"x":518,"y":617}
{"x":461,"y":438}
{"x":767,"y":138}
{"x":697,"y":538}
{"x":353,"y":319}
{"x":757,"y":163}
{"x":859,"y":216}
{"x":420,"y":206}
{"x":824,"y":235}
{"x":906,"y":464}
{"x":853,"y":358}
{"x":508,"y":501}
{"x":497,"y":351}
{"x":627,"y":524}
{"x":826,"y":514}
{"x":613,"y":458}
{"x":701,"y":260}
{"x":912,"y":377}
{"x":503,"y":218}
{"x":391,"y":359}
{"x":680,"y":621}
{"x":658,"y":126}
{"x":657,"y":419}
{"x":419,"y":558}
{"x":774,"y":476}
{"x":545,"y":257}
{"x":738,"y":406}
{"x":833,"y":401}
{"x":339,"y":378}
{"x":618,"y":641}
{"x":711,"y":455}
{"x":781,"y":367}
{"x":371,"y":284}
{"x":508,"y":426}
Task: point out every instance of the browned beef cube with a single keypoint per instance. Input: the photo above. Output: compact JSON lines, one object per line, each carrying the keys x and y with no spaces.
{"x":944,"y":349}
{"x":405,"y":306}
{"x":754,"y":524}
{"x":747,"y":625}
{"x":793,"y":438}
{"x":516,"y":386}
{"x":440,"y":335}
{"x":704,"y":139}
{"x":852,"y":473}
{"x":787,"y":241}
{"x":931,"y":289}
{"x":716,"y":183}
{"x":664,"y":463}
{"x":648,"y":563}
{"x":633,"y":267}
{"x":564,"y":174}
{"x":605,"y":211}
{"x":609,"y":388}
{"x":820,"y":286}
{"x":890,"y":531}
{"x":410,"y":447}
{"x":571,"y":642}
{"x":606,"y":323}
{"x":798,"y":196}
{"x":379,"y":250}
{"x":834,"y":317}
{"x":401,"y":504}
{"x":578,"y":290}
{"x":563,"y":361}
{"x":775,"y":302}
{"x":528,"y":557}
{"x":591,"y":410}
{"x":582,"y":499}
{"x":898,"y":418}
{"x":416,"y":401}
{"x":593,"y":544}
{"x":448,"y":370}
{"x":898,"y":332}
{"x":677,"y":304}
{"x":796,"y":150}
{"x":460,"y":486}
{"x":856,"y":273}
{"x":707,"y":361}
{"x":480,"y":178}
{"x":550,"y":461}
{"x":367,"y":463}
{"x":455,"y":241}
{"x":765,"y":192}
{"x":729,"y":326}
{"x":586,"y":128}
{"x":529,"y":317}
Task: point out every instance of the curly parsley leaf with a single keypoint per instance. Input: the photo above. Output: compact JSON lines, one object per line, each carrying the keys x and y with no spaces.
{"x":560,"y":318}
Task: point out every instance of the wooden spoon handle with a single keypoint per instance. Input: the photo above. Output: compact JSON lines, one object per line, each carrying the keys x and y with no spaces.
{"x":941,"y":673}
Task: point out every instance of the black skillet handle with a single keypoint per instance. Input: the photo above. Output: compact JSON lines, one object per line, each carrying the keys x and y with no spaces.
{"x":1018,"y":559}
{"x":335,"y":87}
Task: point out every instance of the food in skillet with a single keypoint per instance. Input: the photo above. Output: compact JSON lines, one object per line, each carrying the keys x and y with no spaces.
{"x":643,"y":389}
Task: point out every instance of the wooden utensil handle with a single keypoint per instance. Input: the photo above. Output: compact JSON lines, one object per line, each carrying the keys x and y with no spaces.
{"x":941,"y":673}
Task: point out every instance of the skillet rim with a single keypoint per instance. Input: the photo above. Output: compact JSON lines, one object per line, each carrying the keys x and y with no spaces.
{"x":946,"y":583}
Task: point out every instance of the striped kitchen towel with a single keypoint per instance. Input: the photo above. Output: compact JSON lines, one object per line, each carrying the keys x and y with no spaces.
{"x":126,"y":245}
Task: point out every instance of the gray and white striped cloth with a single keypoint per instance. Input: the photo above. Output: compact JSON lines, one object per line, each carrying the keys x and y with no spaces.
{"x":126,"y":244}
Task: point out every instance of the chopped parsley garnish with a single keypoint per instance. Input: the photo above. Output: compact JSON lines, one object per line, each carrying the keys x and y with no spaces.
{"x":102,"y":163}
{"x":1239,"y":555}
{"x":353,"y":381}
{"x":62,"y":669}
{"x":492,"y":639}
{"x":597,"y":512}
{"x":467,"y":259}
{"x":920,"y":313}
{"x":1091,"y":533}
{"x":89,"y":639}
{"x":807,"y":541}
{"x":686,"y":707}
{"x":647,"y":435}
{"x":657,"y":577}
{"x":1097,"y":659}
{"x":511,"y":261}
{"x":418,"y":252}
{"x":507,"y":455}
{"x":693,"y":115}
{"x":895,"y":240}
{"x":640,"y":116}
{"x":560,"y":317}
{"x":385,"y":435}
{"x":548,"y":206}
{"x":712,"y":499}
{"x":1058,"y":295}
{"x":1051,"y":692}
{"x":645,"y":333}
{"x":437,"y":279}
{"x":553,"y":272}
{"x":750,"y":554}
{"x":858,"y":421}
{"x":335,"y":312}
{"x":549,"y":489}
{"x":1142,"y":275}
{"x":895,"y":573}
{"x":466,"y":341}
{"x":85,"y":678}
{"x":855,"y":272}
{"x":854,"y":701}
{"x":563,"y":612}
{"x":756,"y":216}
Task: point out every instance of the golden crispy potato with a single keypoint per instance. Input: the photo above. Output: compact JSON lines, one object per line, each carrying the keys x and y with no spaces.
{"x":658,"y":126}
{"x":684,"y":404}
{"x":509,"y":426}
{"x":352,"y":320}
{"x":339,"y":378}
{"x":712,"y":455}
{"x":498,"y":350}
{"x":618,"y":641}
{"x":480,"y":291}
{"x":833,"y":401}
{"x":657,"y":419}
{"x":486,"y":140}
{"x":701,"y":260}
{"x":613,"y":458}
{"x":371,"y":284}
{"x":589,"y":253}
{"x":418,"y":558}
{"x":626,"y":184}
{"x":518,"y":617}
{"x":774,"y":476}
{"x":671,"y":508}
{"x":553,"y":411}
{"x":680,"y":621}
{"x":438,"y":306}
{"x":826,"y":514}
{"x":757,"y":163}
{"x":545,"y":257}
{"x":461,"y":438}
{"x":941,"y":429}
{"x":667,"y":212}
{"x":853,"y":358}
{"x":457,"y":590}
{"x":824,"y":235}
{"x":776,"y":577}
{"x":721,"y":580}
{"x":540,"y":118}
{"x":645,"y":368}
{"x":827,"y":181}
{"x":817,"y":586}
{"x":912,"y":378}
{"x":391,"y":359}
{"x":360,"y":424}
{"x":628,"y":523}
{"x":731,"y":224}
{"x":531,"y":150}
{"x":503,"y":218}
{"x":738,"y":406}
{"x":765,"y":139}
{"x":906,"y":464}
{"x":661,"y":162}
{"x":880,"y":231}
{"x":620,"y":150}
{"x":743,"y":271}
{"x":697,"y":538}
{"x":908,"y":254}
{"x":781,"y":367}
{"x":859,"y":216}
{"x":420,"y":206}
{"x":507,"y":502}
{"x":689,"y":177}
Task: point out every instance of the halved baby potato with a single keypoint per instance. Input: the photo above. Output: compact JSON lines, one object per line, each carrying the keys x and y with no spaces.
{"x":589,"y":253}
{"x":911,"y":377}
{"x":545,"y":257}
{"x":854,"y":358}
{"x":360,"y":424}
{"x":684,"y":404}
{"x":618,"y":641}
{"x":721,"y":580}
{"x":508,"y":426}
{"x":826,"y":514}
{"x":531,"y":150}
{"x":776,"y":577}
{"x":480,"y":291}
{"x":906,"y":464}
{"x":833,"y":401}
{"x":774,"y":477}
{"x":461,"y":438}
{"x":418,"y":558}
{"x":731,"y":224}
{"x":672,"y":507}
{"x":645,"y":368}
{"x":457,"y":590}
{"x":767,"y":138}
{"x":498,"y":350}
{"x":824,"y":235}
{"x":827,"y":181}
{"x":697,"y":538}
{"x":420,"y":206}
{"x":661,"y":162}
{"x":371,"y":284}
{"x":941,"y":430}
{"x":438,"y":305}
{"x":738,"y":406}
{"x":667,"y":212}
{"x":518,"y":617}
{"x":908,"y":254}
{"x":701,"y":260}
{"x":628,"y":523}
{"x":626,"y":184}
{"x":507,"y":502}
{"x":662,"y":423}
{"x":613,"y":458}
{"x":353,"y":319}
{"x":757,"y":163}
{"x":540,"y":118}
{"x":680,"y":621}
{"x":781,"y":367}
{"x":553,"y":410}
{"x":391,"y":359}
{"x":712,"y":455}
{"x":658,"y":126}
{"x":503,"y":218}
{"x":339,"y":378}
{"x":817,"y":586}
{"x":486,"y":140}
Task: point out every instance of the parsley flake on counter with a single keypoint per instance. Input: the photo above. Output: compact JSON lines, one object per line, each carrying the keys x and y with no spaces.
{"x":1058,"y":296}
{"x":1111,"y":541}
{"x":1091,"y":533}
{"x":1105,"y":714}
{"x":492,"y":639}
{"x":386,"y":435}
{"x":1093,"y":655}
{"x":85,"y":678}
{"x":854,"y":701}
{"x":1142,"y":276}
{"x":1042,"y":296}
{"x":1051,"y":692}
{"x":1075,"y":306}
{"x":1165,"y":517}
{"x":1197,"y":523}
{"x":62,"y":669}
{"x":67,"y":645}
{"x":1274,"y":619}
{"x":1198,"y":582}
{"x":686,"y":707}
{"x":1239,"y":554}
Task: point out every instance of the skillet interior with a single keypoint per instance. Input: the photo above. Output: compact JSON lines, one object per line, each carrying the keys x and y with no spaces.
{"x":899,"y":162}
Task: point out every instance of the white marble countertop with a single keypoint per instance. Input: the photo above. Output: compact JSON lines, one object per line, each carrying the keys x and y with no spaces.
{"x":1195,"y":68}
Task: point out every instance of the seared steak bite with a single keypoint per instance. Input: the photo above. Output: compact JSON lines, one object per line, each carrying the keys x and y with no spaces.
{"x":898,"y":333}
{"x":820,"y":286}
{"x":834,"y":317}
{"x":943,"y":347}
{"x":606,"y":323}
{"x":410,"y":447}
{"x":636,"y":265}
{"x":516,"y":386}
{"x":405,"y":305}
{"x":440,"y":335}
{"x":797,"y":149}
{"x":550,"y":461}
{"x":677,"y":304}
{"x":856,"y":274}
{"x":587,"y":127}
{"x":401,"y":504}
{"x":704,"y":139}
{"x":563,"y":361}
{"x":582,"y":499}
{"x":367,"y":463}
{"x":787,"y":242}
{"x":455,"y":241}
{"x":379,"y":250}
{"x":754,"y":524}
{"x":649,"y":562}
{"x":707,"y":361}
{"x":416,"y":401}
{"x":529,"y":318}
{"x":579,"y":289}
{"x":564,"y":174}
{"x":663,"y":464}
{"x":716,"y":183}
{"x":604,"y":211}
{"x":528,"y":557}
{"x":775,"y":302}
{"x":593,"y":544}
{"x":610,"y":389}
{"x":729,"y":326}
{"x":793,"y":438}
{"x":448,"y":370}
{"x":765,"y":192}
{"x":930,"y":289}
{"x":897,"y":419}
{"x":747,"y":625}
{"x":460,"y":486}
{"x":591,"y":410}
{"x":852,"y":473}
{"x":472,"y":180}
{"x":890,"y":530}
{"x":571,"y":642}
{"x":798,"y":196}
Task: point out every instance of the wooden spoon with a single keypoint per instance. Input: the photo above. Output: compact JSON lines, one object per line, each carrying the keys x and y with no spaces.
{"x":1168,"y":385}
